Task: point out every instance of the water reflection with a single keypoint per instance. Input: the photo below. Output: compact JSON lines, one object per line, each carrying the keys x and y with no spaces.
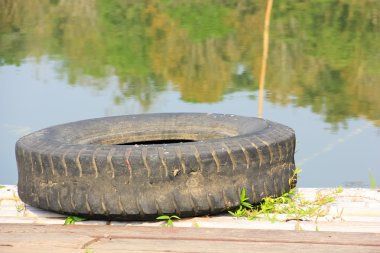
{"x":323,"y":54}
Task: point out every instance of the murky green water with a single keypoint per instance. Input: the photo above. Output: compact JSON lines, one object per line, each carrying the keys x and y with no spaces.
{"x":63,"y":61}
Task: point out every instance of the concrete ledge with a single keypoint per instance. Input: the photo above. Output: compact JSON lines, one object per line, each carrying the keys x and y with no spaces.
{"x":354,"y":210}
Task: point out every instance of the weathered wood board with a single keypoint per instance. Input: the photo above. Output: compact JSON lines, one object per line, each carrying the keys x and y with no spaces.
{"x":103,"y":238}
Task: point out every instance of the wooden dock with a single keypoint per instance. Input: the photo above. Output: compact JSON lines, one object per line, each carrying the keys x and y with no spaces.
{"x":351,"y":224}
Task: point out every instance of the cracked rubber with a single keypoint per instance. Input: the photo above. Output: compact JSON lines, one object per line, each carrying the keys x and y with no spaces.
{"x":78,"y":168}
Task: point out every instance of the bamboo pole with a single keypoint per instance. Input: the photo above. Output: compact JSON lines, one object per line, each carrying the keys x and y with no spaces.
{"x":264,"y":57}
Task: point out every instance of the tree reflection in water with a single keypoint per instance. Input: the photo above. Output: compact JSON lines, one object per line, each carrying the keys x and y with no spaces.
{"x":322,"y":54}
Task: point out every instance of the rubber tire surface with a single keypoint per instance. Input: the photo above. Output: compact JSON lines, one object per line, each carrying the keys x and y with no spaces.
{"x":77,"y":168}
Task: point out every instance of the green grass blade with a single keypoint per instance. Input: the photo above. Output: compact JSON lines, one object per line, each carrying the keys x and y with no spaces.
{"x":76,"y":218}
{"x":163,"y":217}
{"x":372,"y":180}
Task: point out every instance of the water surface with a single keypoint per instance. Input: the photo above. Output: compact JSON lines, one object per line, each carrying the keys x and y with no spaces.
{"x":63,"y":61}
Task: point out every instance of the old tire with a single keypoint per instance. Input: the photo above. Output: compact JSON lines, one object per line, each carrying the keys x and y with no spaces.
{"x":77,"y":168}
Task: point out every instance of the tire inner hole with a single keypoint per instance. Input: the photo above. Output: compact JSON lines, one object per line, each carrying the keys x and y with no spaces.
{"x":150,"y":142}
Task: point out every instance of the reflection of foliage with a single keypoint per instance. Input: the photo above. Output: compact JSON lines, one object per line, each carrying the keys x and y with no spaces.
{"x":124,"y":37}
{"x":127,"y":45}
{"x":12,"y":39}
{"x":322,"y":54}
{"x":202,"y":20}
{"x":328,"y":59}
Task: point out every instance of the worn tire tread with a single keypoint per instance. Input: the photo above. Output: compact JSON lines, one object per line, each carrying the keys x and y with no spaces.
{"x":81,"y":172}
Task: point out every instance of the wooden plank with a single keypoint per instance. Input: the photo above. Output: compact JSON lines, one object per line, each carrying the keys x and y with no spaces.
{"x":129,"y":245}
{"x":102,"y":238}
